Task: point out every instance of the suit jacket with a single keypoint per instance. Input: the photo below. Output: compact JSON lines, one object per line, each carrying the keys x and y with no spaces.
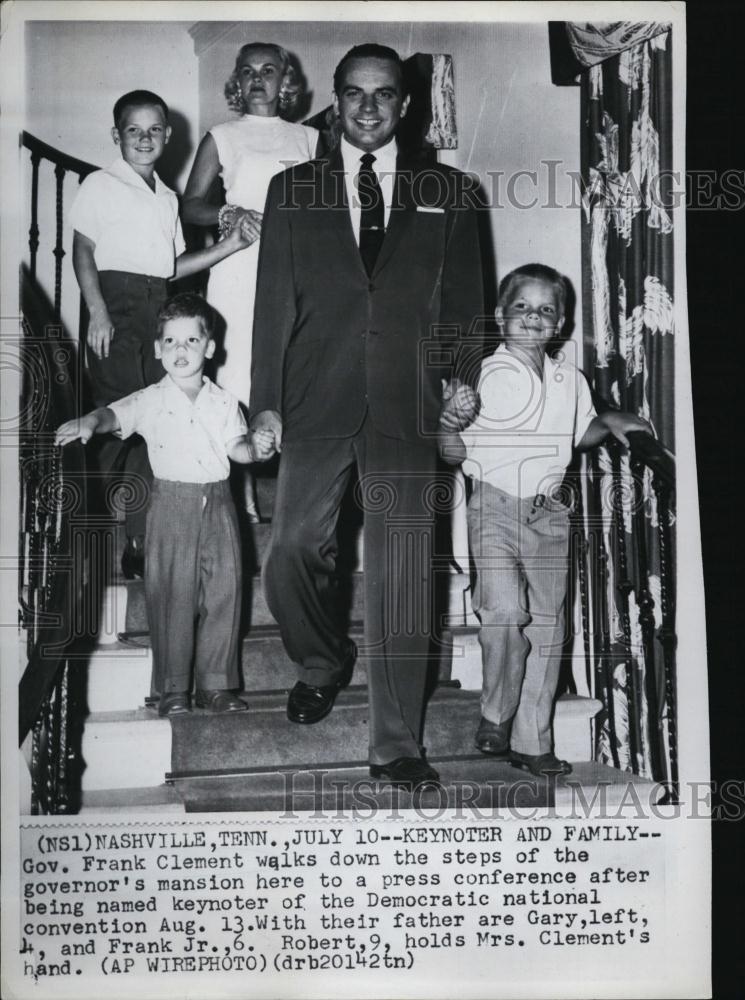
{"x":328,"y":340}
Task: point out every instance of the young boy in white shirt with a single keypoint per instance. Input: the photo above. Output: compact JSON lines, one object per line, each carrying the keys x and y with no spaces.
{"x":532,"y":412}
{"x":127,"y":244}
{"x":192,"y":429}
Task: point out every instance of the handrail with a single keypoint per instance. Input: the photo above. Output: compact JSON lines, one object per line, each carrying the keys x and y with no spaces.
{"x":56,"y":156}
{"x":648,"y":450}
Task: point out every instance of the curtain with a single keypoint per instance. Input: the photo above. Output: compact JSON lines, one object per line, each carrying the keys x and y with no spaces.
{"x":629,"y":349}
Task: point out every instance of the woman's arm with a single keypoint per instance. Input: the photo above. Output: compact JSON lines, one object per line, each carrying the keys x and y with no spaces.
{"x":196,"y":208}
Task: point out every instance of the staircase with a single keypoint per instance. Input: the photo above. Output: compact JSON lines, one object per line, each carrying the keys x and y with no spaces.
{"x":135,"y":761}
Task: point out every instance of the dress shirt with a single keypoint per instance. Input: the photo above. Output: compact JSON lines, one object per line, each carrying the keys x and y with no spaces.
{"x":385,"y":170}
{"x":522,"y":440}
{"x":134,"y":228}
{"x":186,"y":442}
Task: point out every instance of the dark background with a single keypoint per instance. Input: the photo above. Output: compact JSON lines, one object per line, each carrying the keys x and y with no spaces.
{"x":716,"y":290}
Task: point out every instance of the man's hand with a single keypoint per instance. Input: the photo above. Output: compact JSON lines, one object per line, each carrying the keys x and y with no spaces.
{"x":100,"y":332}
{"x":618,"y":424}
{"x":262,"y":444}
{"x":460,"y":405}
{"x":71,"y":430}
{"x":269,"y":420}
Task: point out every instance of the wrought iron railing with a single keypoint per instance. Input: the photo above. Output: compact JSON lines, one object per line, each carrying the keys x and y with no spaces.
{"x":624,"y":569}
{"x":52,"y":500}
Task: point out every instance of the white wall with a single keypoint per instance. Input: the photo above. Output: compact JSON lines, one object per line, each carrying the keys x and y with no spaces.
{"x":510,"y":116}
{"x":75,"y":71}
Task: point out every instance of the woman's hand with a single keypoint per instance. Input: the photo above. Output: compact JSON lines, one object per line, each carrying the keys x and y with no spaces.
{"x":249,"y":222}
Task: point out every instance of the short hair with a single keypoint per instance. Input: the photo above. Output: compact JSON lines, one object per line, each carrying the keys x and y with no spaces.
{"x":289,"y":92}
{"x":369,"y":50}
{"x":535,"y":272}
{"x":187,"y":305}
{"x":138,"y":99}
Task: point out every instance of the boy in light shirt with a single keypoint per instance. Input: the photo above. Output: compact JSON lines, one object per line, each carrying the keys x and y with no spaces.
{"x":127,"y":245}
{"x":533,"y":411}
{"x":193,"y":429}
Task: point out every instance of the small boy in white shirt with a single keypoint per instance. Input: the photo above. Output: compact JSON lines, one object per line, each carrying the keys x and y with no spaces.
{"x":127,"y":245}
{"x":532,"y":412}
{"x":192,"y":429}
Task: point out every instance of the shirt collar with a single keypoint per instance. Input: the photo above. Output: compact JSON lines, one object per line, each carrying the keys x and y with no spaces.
{"x":385,"y":157}
{"x":169,"y":385}
{"x":548,"y":361}
{"x":121,"y":169}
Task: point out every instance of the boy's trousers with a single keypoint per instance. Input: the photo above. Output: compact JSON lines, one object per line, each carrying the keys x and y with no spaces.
{"x":520,"y":549}
{"x":132,"y":301}
{"x":193,"y":571}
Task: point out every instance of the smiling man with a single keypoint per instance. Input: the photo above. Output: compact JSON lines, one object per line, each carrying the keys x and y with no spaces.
{"x":369,"y":276}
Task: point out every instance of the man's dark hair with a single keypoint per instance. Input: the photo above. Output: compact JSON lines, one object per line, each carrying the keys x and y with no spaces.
{"x":370,"y":50}
{"x":137,"y":99}
{"x":187,"y":305}
{"x":536,"y":272}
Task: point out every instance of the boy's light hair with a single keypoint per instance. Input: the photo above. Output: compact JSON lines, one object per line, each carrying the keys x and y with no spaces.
{"x":187,"y":305}
{"x":138,"y":99}
{"x":535,"y":272}
{"x":289,"y":92}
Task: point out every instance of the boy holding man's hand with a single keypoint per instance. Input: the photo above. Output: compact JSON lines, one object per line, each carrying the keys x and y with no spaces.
{"x":515,"y":439}
{"x":193,"y":429}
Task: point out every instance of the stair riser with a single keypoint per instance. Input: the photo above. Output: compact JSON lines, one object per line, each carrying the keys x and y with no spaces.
{"x":126,"y":753}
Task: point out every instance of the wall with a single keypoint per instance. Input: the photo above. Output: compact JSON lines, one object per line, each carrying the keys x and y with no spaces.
{"x":75,"y":71}
{"x":510,"y":116}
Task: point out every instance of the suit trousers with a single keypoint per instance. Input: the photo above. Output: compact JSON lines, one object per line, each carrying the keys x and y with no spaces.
{"x":394,"y":491}
{"x":520,"y":550}
{"x":193,"y":585}
{"x":133,"y":301}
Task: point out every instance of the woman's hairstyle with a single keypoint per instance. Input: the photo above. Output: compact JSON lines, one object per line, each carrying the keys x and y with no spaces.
{"x":290,"y":90}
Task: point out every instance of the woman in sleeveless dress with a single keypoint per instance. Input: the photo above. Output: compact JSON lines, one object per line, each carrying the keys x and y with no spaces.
{"x":245,"y":153}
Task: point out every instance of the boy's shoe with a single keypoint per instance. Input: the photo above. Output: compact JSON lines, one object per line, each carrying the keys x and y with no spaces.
{"x":493,"y":738}
{"x":175,"y":703}
{"x":219,"y":702}
{"x":541,"y":765}
{"x":133,"y":559}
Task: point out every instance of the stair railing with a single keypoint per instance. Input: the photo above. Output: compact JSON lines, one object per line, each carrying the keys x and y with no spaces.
{"x":624,"y":567}
{"x":52,"y":504}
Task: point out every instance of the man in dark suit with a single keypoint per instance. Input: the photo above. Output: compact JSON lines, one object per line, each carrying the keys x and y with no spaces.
{"x":369,"y":276}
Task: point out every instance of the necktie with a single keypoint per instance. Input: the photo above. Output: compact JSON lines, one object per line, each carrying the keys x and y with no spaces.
{"x":372,"y":216}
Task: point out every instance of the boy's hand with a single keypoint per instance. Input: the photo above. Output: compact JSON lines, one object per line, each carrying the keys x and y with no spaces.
{"x":100,"y":332}
{"x":71,"y":430}
{"x":460,"y":404}
{"x":618,"y":424}
{"x":262,"y":443}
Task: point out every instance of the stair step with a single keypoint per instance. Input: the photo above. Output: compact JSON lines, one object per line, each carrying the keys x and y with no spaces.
{"x":467,"y":781}
{"x":119,"y":675}
{"x":125,"y":750}
{"x":158,"y":799}
{"x":264,"y":737}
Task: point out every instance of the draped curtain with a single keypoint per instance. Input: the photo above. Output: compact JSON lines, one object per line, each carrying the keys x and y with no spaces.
{"x":625,"y":74}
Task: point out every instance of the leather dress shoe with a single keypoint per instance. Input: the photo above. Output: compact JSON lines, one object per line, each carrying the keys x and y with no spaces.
{"x":133,"y":559}
{"x":493,"y":738}
{"x":407,"y":772}
{"x":219,"y":702}
{"x":541,"y":765}
{"x":308,"y":703}
{"x":175,"y":703}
